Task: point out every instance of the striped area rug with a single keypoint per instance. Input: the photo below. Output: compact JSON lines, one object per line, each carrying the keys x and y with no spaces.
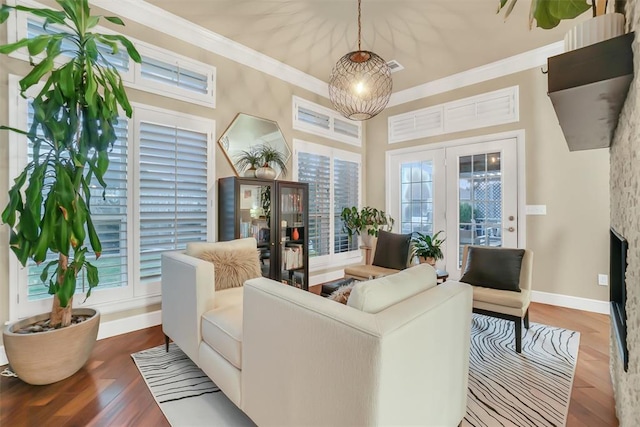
{"x":527,"y":389}
{"x":530,"y":389}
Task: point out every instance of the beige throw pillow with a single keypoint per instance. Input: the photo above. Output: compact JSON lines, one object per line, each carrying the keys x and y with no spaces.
{"x":233,"y":267}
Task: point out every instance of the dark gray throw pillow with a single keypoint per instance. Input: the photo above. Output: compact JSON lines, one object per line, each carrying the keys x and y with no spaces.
{"x":392,"y":250}
{"x":496,"y":268}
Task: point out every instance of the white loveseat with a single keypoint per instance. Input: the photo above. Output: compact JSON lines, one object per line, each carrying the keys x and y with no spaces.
{"x":398,"y":354}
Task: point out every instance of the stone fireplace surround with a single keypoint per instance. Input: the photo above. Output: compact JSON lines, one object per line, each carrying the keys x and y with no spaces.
{"x":625,"y":218}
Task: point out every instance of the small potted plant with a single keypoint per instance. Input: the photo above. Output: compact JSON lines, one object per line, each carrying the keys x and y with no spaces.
{"x":366,"y":223}
{"x":427,"y":248}
{"x":270,"y":157}
{"x":249,"y":161}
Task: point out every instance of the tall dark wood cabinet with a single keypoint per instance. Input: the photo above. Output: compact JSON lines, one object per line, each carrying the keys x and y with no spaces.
{"x":276,"y":214}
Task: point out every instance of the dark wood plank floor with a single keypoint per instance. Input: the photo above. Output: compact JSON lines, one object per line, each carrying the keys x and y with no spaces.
{"x":109,"y":391}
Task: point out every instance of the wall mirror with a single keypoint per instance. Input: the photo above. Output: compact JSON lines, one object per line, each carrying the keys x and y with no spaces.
{"x":247,"y":132}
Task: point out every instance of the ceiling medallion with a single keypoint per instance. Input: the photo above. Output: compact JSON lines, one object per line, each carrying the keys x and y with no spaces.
{"x":360,"y":83}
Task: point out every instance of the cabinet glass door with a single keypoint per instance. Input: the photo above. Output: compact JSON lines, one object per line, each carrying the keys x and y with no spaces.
{"x":292,"y":237}
{"x":255,"y":220}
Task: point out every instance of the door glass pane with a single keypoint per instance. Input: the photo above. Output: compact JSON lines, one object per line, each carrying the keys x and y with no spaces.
{"x":417,"y":197}
{"x":480,"y":201}
{"x":292,"y":236}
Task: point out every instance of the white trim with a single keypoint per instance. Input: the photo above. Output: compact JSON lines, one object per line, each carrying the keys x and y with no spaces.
{"x":3,"y":356}
{"x":182,"y":29}
{"x":513,"y":64}
{"x":568,"y":301}
{"x":165,"y":22}
{"x":129,"y":324}
{"x":325,"y":277}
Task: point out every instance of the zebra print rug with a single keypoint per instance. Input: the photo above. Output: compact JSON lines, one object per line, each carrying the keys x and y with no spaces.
{"x":505,"y":388}
{"x":527,"y":389}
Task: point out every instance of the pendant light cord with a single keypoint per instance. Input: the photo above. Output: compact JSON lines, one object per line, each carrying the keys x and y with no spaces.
{"x":359,"y":24}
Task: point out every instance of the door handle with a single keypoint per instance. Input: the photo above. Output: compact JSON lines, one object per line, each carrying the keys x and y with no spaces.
{"x":510,"y":229}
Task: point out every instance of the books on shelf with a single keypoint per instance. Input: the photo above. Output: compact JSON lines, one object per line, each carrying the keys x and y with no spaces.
{"x":293,"y":256}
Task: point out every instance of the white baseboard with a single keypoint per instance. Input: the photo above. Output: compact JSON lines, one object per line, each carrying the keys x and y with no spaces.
{"x":577,"y":303}
{"x":115,"y":327}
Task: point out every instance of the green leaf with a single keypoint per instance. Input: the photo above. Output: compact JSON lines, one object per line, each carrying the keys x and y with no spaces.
{"x":114,"y":20}
{"x":67,"y":288}
{"x":131,"y":50}
{"x":38,"y":44}
{"x":54,"y":16}
{"x":4,"y":13}
{"x":549,"y":13}
{"x":94,"y":240}
{"x":11,"y":47}
{"x":45,"y":272}
{"x":92,"y":22}
{"x":36,"y":74}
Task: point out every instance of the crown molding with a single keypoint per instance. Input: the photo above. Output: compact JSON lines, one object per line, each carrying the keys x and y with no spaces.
{"x":165,"y":22}
{"x":514,"y":64}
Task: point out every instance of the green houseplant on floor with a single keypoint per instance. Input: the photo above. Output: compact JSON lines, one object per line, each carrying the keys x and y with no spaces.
{"x":366,"y":222}
{"x":75,"y":114}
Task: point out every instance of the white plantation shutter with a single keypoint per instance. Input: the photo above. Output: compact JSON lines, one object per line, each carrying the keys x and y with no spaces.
{"x":109,"y":215}
{"x":334,"y":183}
{"x":316,"y":170}
{"x":173,"y":192}
{"x":318,"y":120}
{"x":174,"y":75}
{"x":345,"y":195}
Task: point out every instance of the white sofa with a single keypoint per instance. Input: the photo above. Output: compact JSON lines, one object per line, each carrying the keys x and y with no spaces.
{"x":397,"y":354}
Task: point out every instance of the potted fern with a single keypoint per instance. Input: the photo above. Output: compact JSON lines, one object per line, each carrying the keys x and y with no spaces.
{"x":249,"y":161}
{"x":49,"y":210}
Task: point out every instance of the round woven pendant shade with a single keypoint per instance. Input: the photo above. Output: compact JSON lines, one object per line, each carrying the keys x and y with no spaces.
{"x":360,"y":85}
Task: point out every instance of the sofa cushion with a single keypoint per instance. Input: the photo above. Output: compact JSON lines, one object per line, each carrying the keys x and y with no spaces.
{"x":375,"y":295}
{"x":233,"y":267}
{"x":497,"y":268}
{"x":392,"y":250}
{"x":222,"y":331}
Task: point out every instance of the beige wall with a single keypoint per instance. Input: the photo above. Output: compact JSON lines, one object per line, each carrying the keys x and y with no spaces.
{"x":625,"y":196}
{"x":239,"y":89}
{"x":570,"y":243}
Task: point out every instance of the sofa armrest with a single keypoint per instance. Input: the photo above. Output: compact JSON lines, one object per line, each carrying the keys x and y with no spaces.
{"x":188,"y":291}
{"x":323,"y":363}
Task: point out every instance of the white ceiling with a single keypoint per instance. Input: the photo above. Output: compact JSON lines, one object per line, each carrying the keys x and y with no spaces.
{"x":430,"y":38}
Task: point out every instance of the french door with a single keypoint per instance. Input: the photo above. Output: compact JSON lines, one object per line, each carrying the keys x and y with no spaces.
{"x":469,"y":191}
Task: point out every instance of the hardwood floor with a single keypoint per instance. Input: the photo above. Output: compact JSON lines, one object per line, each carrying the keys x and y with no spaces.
{"x":109,"y":391}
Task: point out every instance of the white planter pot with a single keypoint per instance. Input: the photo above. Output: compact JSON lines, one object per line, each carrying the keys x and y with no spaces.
{"x":594,"y":30}
{"x":265,"y":173}
{"x":48,"y":357}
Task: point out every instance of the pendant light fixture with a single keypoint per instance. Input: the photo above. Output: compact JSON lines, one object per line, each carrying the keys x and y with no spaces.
{"x":360,"y":83}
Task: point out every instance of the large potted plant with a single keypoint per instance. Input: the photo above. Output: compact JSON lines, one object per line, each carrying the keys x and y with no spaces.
{"x":428,"y":248}
{"x":365,"y":222}
{"x":548,"y":14}
{"x":74,"y":117}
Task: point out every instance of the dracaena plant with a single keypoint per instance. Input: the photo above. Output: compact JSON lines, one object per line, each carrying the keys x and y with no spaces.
{"x":74,"y":117}
{"x":547,"y":14}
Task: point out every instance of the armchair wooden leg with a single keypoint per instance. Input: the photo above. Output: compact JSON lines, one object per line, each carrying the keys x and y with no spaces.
{"x":518,"y":323}
{"x":526,"y":319}
{"x":166,"y":343}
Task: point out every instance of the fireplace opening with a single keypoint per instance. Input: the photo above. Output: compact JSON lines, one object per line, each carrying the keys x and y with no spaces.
{"x":618,"y":292}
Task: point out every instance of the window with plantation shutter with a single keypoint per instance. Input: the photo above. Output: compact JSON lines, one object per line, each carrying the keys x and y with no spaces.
{"x":346,"y":193}
{"x":173,"y":190}
{"x":160,"y":182}
{"x":318,"y":120}
{"x":315,"y":169}
{"x":334,"y":183}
